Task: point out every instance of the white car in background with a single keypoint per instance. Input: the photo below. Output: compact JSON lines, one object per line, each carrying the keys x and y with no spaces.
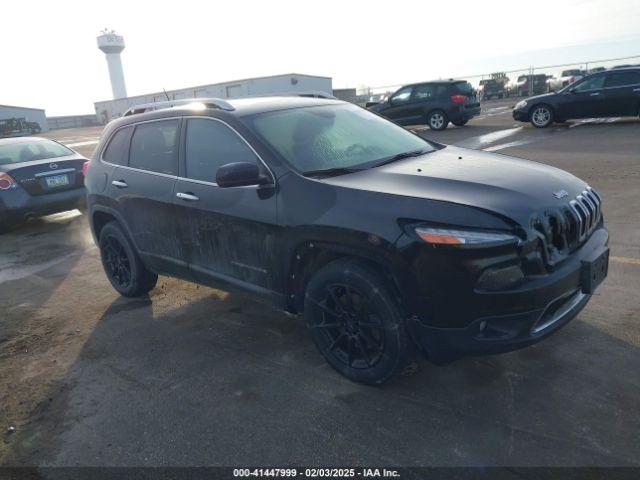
{"x":567,"y":77}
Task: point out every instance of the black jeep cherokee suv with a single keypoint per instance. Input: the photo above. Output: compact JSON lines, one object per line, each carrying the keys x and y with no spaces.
{"x":382,"y":240}
{"x":431,"y":103}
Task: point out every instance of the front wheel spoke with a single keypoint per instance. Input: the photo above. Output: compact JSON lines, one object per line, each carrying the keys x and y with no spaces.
{"x":336,"y":300}
{"x":335,"y":342}
{"x":363,"y":351}
{"x":368,"y":339}
{"x":350,"y":352}
{"x":371,"y":325}
{"x":324,"y":307}
{"x":326,"y":325}
{"x":349,"y":300}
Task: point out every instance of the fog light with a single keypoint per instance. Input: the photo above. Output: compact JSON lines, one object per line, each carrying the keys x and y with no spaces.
{"x":500,"y":278}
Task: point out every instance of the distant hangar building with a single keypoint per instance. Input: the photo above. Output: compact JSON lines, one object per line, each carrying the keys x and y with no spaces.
{"x":19,"y":121}
{"x":251,"y":87}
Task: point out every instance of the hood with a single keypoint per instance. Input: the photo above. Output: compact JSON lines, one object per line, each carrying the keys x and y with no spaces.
{"x":541,"y":97}
{"x":511,"y":187}
{"x":377,"y":107}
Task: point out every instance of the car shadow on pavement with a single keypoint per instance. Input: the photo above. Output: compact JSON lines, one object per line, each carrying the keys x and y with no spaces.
{"x":222,"y":380}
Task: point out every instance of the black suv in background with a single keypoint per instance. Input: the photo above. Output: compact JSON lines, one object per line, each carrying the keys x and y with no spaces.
{"x":612,"y":93}
{"x":432,"y":103}
{"x":383,"y":241}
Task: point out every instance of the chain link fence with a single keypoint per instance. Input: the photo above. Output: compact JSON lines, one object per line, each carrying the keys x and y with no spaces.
{"x":514,"y":83}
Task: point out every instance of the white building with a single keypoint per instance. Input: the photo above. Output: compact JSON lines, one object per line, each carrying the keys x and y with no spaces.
{"x":8,"y":112}
{"x":250,"y":87}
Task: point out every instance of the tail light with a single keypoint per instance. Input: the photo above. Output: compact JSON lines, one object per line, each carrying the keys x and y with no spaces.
{"x":458,"y":98}
{"x":6,"y":182}
{"x":85,"y":165}
{"x":572,"y":79}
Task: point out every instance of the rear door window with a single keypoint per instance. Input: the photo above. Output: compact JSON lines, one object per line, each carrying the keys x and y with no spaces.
{"x":211,"y":144}
{"x":118,"y":148}
{"x":154,"y":147}
{"x":621,"y":79}
{"x":423,"y":92}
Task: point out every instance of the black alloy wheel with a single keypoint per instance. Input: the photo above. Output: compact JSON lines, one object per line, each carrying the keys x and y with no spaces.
{"x":122,"y":264}
{"x":351,"y":330}
{"x":355,"y":322}
{"x":116,"y":262}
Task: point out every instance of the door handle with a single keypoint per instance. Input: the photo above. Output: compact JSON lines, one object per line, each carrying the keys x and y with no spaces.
{"x":594,"y":94}
{"x":189,"y":197}
{"x":636,"y":89}
{"x":119,"y":183}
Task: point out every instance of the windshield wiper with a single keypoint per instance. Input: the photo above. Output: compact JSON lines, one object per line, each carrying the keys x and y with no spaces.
{"x":400,"y":156}
{"x":331,"y":171}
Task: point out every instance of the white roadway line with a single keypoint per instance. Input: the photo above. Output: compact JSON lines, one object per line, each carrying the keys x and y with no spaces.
{"x":502,"y":146}
{"x":488,"y":138}
{"x":594,"y":120}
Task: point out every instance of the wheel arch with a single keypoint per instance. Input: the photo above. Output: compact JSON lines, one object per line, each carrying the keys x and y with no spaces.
{"x":309,"y":257}
{"x":101,"y":215}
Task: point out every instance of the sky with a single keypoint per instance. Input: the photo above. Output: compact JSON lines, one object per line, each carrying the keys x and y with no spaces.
{"x":50,"y":59}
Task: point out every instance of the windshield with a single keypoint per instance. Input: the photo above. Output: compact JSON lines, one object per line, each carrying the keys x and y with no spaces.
{"x":30,"y":150}
{"x":334,"y":136}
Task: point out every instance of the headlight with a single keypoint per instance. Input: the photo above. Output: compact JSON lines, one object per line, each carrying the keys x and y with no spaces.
{"x":521,"y":104}
{"x":443,"y":236}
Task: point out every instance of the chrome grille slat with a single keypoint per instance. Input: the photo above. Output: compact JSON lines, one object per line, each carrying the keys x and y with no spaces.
{"x":593,"y":207}
{"x":586,"y":209}
{"x":594,"y":198}
{"x":568,"y":228}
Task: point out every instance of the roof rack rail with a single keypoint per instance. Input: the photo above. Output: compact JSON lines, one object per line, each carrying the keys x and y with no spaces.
{"x":207,"y":102}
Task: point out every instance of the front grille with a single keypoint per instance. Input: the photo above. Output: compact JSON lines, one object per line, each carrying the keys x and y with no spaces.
{"x":564,"y":229}
{"x":586,"y":210}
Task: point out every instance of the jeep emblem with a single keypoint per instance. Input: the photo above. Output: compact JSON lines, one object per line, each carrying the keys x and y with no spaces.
{"x":561,"y":194}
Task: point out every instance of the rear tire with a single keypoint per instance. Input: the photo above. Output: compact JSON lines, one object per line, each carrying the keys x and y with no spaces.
{"x":122,"y":264}
{"x":437,"y":120}
{"x":355,"y":322}
{"x":541,"y":116}
{"x":459,"y":123}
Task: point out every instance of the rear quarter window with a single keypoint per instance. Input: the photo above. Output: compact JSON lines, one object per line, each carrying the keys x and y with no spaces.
{"x":154,"y":147}
{"x":118,"y":147}
{"x":463,"y":88}
{"x":622,"y":78}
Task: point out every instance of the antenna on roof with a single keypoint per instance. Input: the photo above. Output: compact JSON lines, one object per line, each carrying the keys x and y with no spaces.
{"x":166,"y":95}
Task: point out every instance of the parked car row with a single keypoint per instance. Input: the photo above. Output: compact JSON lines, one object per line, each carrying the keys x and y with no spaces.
{"x":608,"y":93}
{"x":434,"y":103}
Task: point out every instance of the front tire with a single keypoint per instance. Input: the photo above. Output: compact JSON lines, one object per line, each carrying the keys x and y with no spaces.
{"x":122,"y":264}
{"x":355,"y":322}
{"x":437,"y":120}
{"x":541,"y":116}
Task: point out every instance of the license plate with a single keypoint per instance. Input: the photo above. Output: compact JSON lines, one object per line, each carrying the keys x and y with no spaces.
{"x":594,"y":270}
{"x":57,"y":181}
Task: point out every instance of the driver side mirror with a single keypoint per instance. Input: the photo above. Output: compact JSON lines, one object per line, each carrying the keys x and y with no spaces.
{"x":240,"y":174}
{"x":572,"y":90}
